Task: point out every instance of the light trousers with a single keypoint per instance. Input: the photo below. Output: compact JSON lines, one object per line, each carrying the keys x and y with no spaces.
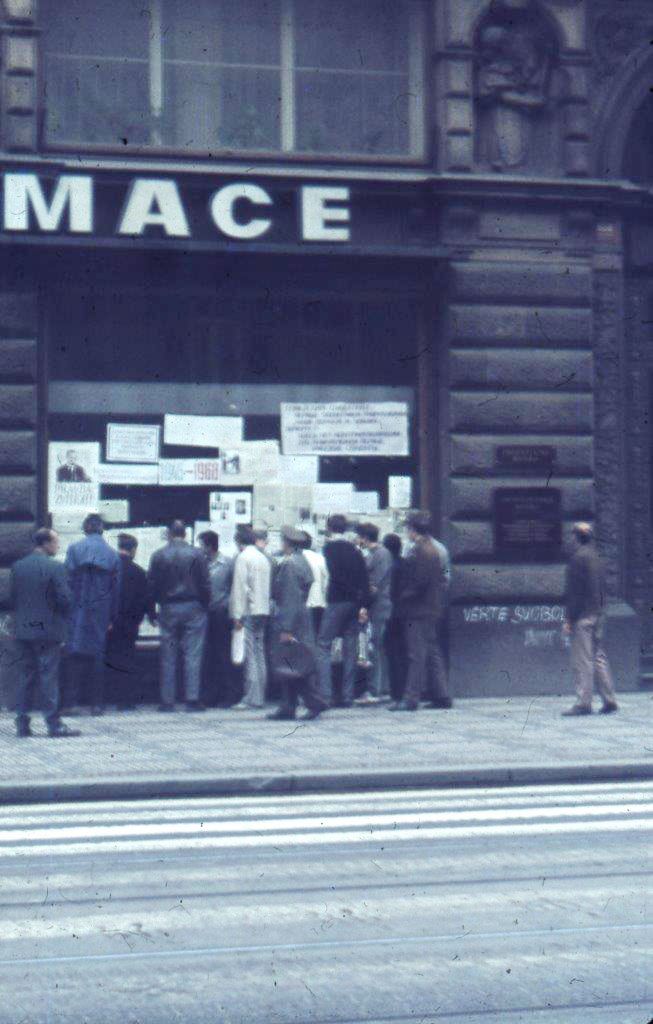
{"x":589,"y":663}
{"x":256,"y":673}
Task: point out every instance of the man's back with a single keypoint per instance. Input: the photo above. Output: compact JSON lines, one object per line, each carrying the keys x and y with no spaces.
{"x":40,"y":597}
{"x":584,"y":592}
{"x":348,"y":579}
{"x":179,"y":573}
{"x":423,"y":588}
{"x":250,"y":593}
{"x":133,"y":593}
{"x":379,"y":565}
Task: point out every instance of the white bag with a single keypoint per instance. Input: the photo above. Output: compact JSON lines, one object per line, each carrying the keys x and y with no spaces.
{"x":237,"y":646}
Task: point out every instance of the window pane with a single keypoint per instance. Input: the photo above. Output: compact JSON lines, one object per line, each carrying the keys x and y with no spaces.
{"x":222,"y":31}
{"x":115,"y":28}
{"x":251,"y":107}
{"x":98,"y":101}
{"x":347,"y":113}
{"x":366,"y":35}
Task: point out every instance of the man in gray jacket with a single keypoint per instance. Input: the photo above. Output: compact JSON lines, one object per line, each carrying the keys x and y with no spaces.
{"x":585,"y":609}
{"x":379,"y":571}
{"x":179,"y":583}
{"x":41,"y":601}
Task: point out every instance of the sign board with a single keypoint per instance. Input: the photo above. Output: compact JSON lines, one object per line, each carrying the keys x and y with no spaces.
{"x":133,"y":442}
{"x":528,"y":523}
{"x":344,"y":428}
{"x":203,"y":431}
{"x":189,"y":472}
{"x":526,"y":456}
{"x":400,"y":491}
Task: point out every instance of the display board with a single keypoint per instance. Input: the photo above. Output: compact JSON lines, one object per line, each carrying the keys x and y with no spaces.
{"x":344,"y":428}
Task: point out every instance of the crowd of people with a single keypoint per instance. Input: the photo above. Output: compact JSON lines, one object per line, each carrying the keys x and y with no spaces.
{"x":358,"y":623}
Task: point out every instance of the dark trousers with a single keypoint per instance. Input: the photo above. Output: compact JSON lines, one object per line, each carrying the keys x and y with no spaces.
{"x":395,"y":650}
{"x":84,"y":680}
{"x":292,"y":689}
{"x":38,"y":672}
{"x":219,"y":682}
{"x":122,"y":678}
{"x":427,"y":673}
{"x":339,"y":619}
{"x":183,"y":628}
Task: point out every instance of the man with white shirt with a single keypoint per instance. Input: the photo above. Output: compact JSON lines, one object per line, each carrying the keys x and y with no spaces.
{"x":317,"y":595}
{"x":249,"y":609}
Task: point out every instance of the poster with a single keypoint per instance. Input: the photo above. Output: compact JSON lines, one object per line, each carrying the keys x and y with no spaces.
{"x":344,"y":428}
{"x":269,"y":505}
{"x":203,"y":431}
{"x":400,"y":491}
{"x":189,"y":472}
{"x":364,"y":503}
{"x":230,"y":506}
{"x":73,"y":475}
{"x":299,"y":469}
{"x":133,"y":442}
{"x":114,"y":511}
{"x":127,"y":474}
{"x":331,"y":498}
{"x":249,"y":463}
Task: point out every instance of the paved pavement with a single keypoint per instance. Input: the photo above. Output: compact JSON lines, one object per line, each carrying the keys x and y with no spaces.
{"x":478,"y":740}
{"x":492,"y":906}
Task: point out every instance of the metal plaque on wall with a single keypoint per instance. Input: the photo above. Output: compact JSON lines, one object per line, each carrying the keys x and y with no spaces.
{"x":528,"y":524}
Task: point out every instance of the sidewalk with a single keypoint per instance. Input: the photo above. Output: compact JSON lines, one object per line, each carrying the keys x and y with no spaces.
{"x":479,"y":741}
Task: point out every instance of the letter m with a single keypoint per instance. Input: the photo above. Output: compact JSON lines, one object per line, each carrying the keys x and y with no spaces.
{"x":23,"y":193}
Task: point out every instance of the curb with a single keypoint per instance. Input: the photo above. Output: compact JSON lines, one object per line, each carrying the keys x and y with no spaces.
{"x":157,"y":787}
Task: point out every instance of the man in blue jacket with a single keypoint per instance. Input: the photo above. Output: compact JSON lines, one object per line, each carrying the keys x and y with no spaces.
{"x":94,"y":578}
{"x":41,"y":601}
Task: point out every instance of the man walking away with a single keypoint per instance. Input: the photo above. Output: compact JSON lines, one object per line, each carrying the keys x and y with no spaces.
{"x":219,"y":682}
{"x":421,"y":604}
{"x":291,"y":625}
{"x":132,"y":608}
{"x":249,"y":609}
{"x":41,"y":601}
{"x":94,"y":579}
{"x":347,"y":596}
{"x":317,"y":595}
{"x":395,"y":647}
{"x":379,"y":570}
{"x":585,"y":609}
{"x":178,"y":580}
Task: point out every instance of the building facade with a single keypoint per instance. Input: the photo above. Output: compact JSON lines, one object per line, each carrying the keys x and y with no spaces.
{"x":217,"y":208}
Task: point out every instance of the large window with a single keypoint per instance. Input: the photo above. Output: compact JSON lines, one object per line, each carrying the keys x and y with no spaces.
{"x":335,"y":77}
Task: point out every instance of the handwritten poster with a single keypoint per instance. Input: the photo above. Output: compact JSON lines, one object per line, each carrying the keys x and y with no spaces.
{"x":344,"y":428}
{"x":133,"y":442}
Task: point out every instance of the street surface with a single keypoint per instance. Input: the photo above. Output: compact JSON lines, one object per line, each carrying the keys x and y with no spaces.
{"x":507,"y":905}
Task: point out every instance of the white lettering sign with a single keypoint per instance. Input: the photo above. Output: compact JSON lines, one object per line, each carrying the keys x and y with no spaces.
{"x":222,"y":211}
{"x":24,"y":192}
{"x":157,"y":202}
{"x":318,"y":217}
{"x":344,"y":428}
{"x":189,"y":472}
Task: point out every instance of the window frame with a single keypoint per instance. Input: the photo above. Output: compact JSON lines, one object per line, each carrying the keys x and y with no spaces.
{"x":420,"y":44}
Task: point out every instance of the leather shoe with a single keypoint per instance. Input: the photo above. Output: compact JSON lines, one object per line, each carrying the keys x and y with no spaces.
{"x":402,"y":705}
{"x":609,"y":707}
{"x":441,"y":703}
{"x":575,"y":710}
{"x":23,"y":730}
{"x":281,"y":715}
{"x":310,"y":714}
{"x":62,"y":731}
{"x":195,"y":705}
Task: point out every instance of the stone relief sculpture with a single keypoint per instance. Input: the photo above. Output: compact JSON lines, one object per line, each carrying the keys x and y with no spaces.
{"x":515,"y":80}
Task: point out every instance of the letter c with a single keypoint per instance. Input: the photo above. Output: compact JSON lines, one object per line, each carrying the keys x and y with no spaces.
{"x":222,"y":211}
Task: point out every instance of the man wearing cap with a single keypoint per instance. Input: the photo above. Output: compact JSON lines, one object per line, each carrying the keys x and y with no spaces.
{"x":585,"y":609}
{"x":421,"y":606}
{"x":292,"y":631}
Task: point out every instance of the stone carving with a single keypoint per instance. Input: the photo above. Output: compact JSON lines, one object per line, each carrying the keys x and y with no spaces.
{"x":515,"y":79}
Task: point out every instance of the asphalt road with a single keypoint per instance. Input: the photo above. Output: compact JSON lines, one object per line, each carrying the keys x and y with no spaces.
{"x":474,"y":906}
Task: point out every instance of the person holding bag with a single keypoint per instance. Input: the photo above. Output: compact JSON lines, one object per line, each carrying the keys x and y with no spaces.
{"x":293,"y":652}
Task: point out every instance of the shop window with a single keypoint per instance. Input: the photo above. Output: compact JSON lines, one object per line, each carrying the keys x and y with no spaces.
{"x":335,"y":77}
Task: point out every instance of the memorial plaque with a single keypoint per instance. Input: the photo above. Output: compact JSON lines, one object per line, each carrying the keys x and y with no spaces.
{"x":526,"y":456}
{"x":527,"y":524}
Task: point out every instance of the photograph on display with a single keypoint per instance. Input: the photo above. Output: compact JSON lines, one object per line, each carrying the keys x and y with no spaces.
{"x":230,"y":506}
{"x":73,"y":475}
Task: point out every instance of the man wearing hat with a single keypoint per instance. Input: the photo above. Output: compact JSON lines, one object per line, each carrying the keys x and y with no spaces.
{"x":293,"y":653}
{"x":585,"y":607}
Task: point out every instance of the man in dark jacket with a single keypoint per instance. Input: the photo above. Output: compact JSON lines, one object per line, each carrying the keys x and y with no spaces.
{"x":94,"y":578}
{"x":178,"y":580}
{"x":292,"y":625}
{"x":585,"y":606}
{"x":220,"y":683}
{"x":348,"y":597}
{"x":41,"y":601}
{"x":395,"y":647}
{"x":421,"y":605}
{"x":132,"y":608}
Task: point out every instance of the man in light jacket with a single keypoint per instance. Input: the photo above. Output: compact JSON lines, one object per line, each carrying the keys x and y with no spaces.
{"x":249,"y":609}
